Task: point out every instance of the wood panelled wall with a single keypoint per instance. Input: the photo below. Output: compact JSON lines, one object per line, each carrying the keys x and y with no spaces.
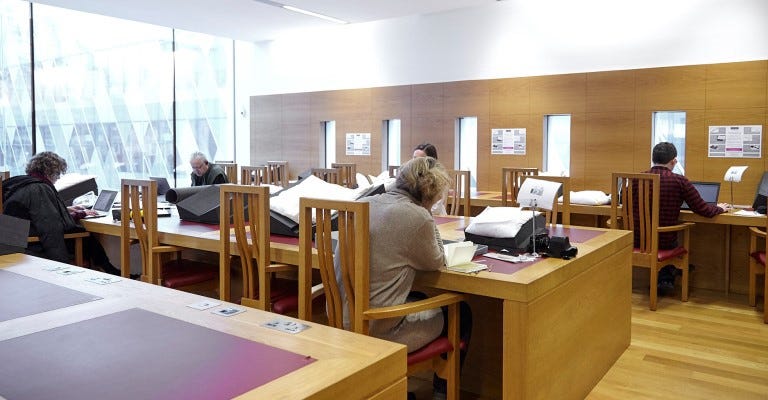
{"x":610,"y":112}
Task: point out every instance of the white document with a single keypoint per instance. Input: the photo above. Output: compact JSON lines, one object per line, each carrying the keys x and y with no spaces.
{"x":538,"y":193}
{"x":734,"y":173}
{"x":459,"y":255}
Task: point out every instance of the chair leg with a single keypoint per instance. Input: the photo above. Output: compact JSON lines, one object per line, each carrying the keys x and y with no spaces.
{"x":686,"y":276}
{"x":79,"y":252}
{"x":654,"y":287}
{"x":765,"y":296}
{"x":752,"y":282}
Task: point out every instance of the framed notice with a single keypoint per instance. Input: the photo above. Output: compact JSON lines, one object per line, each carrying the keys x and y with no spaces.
{"x":508,"y":141}
{"x":358,"y":144}
{"x":738,"y":141}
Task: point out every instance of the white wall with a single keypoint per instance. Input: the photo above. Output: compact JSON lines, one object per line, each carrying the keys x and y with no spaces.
{"x":515,"y":38}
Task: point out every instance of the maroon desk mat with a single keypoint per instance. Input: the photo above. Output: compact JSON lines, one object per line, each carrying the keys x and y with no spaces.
{"x":137,"y":354}
{"x":575,"y":236}
{"x":21,"y":296}
{"x":284,"y":239}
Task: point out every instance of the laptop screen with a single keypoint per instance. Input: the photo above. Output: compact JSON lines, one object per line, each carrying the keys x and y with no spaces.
{"x":162,"y":184}
{"x":709,"y":192}
{"x":104,"y":201}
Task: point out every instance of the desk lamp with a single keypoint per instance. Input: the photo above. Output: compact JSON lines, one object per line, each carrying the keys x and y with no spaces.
{"x":733,"y":174}
{"x":536,"y":193}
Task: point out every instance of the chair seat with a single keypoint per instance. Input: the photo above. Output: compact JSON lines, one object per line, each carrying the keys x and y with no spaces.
{"x":432,"y":349}
{"x":182,"y":273}
{"x":668,"y":253}
{"x":289,"y":302}
{"x":759,"y":256}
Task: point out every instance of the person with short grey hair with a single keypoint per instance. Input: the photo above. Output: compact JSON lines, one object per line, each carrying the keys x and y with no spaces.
{"x":205,"y":173}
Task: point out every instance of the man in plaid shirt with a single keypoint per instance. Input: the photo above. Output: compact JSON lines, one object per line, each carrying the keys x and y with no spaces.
{"x":674,"y":190}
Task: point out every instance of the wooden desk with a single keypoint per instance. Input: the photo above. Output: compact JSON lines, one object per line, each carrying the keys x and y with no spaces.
{"x":719,"y":228}
{"x":346,"y":365}
{"x":195,"y":235}
{"x":562,"y":325}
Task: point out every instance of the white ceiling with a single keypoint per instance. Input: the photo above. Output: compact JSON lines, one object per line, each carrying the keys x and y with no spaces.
{"x":252,"y":20}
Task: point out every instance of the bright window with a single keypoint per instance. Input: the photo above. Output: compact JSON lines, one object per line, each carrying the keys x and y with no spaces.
{"x":329,"y":138}
{"x":466,"y":151}
{"x":557,"y":144}
{"x":391,"y":136}
{"x":669,"y":126}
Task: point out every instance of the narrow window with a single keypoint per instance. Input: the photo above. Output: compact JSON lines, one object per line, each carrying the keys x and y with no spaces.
{"x":466,"y":148}
{"x":557,"y":144}
{"x":328,"y":157}
{"x":391,"y":140}
{"x":669,"y":126}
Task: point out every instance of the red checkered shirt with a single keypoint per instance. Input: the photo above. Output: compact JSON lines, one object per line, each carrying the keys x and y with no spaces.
{"x":674,"y":190}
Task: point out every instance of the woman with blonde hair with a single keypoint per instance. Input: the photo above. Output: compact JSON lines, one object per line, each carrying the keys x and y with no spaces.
{"x":404,"y":239}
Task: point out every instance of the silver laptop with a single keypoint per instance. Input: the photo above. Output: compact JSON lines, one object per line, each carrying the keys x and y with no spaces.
{"x":103,"y":204}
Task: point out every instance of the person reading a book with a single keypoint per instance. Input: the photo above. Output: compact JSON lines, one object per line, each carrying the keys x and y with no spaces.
{"x":33,"y":197}
{"x":205,"y":173}
{"x":429,"y":150}
{"x":404,"y":239}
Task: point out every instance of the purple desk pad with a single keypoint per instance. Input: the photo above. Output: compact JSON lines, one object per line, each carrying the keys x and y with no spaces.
{"x":21,"y":296}
{"x":575,"y":236}
{"x":138,"y":354}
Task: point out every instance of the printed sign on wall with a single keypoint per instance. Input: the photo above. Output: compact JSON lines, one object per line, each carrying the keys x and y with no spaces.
{"x":738,"y":141}
{"x":358,"y":144}
{"x":508,"y":141}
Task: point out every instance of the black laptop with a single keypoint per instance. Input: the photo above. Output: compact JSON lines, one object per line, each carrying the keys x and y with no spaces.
{"x":709,"y":192}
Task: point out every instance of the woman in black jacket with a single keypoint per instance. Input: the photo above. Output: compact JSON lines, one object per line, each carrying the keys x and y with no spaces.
{"x":33,"y":197}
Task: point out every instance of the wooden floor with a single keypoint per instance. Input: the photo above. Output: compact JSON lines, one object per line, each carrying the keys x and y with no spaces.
{"x":711,"y":347}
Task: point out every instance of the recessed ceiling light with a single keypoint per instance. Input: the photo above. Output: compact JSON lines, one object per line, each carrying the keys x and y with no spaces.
{"x":302,"y":11}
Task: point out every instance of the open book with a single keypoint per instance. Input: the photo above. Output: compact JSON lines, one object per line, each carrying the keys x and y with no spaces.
{"x":458,"y":257}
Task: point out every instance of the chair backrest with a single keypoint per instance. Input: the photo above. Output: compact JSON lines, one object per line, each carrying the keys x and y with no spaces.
{"x":636,"y":194}
{"x":277,"y":173}
{"x":138,"y":206}
{"x":354,"y":263}
{"x":3,"y":176}
{"x":458,"y":192}
{"x":347,"y":174}
{"x":230,"y":169}
{"x":330,"y":175}
{"x":511,"y":179}
{"x":393,"y":169}
{"x":253,"y":175}
{"x":564,"y":208}
{"x":251,"y":236}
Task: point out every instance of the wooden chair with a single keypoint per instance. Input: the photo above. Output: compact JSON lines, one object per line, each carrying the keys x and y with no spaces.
{"x":76,"y":236}
{"x":393,"y":169}
{"x":248,"y":208}
{"x":564,"y":208}
{"x":347,"y":174}
{"x":277,"y":173}
{"x":511,"y":179}
{"x":458,"y":192}
{"x":138,"y":207}
{"x":354,"y":263}
{"x":253,"y":175}
{"x":330,"y":175}
{"x":637,"y":194}
{"x":230,"y":169}
{"x":757,"y":252}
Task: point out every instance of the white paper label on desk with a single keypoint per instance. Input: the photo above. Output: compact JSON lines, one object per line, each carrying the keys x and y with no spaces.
{"x":229,"y":311}
{"x":284,"y":325}
{"x":54,"y":267}
{"x":103,"y":280}
{"x":204,"y":305}
{"x":70,"y":271}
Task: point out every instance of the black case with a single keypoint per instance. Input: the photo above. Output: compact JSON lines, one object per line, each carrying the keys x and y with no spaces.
{"x":516,"y":244}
